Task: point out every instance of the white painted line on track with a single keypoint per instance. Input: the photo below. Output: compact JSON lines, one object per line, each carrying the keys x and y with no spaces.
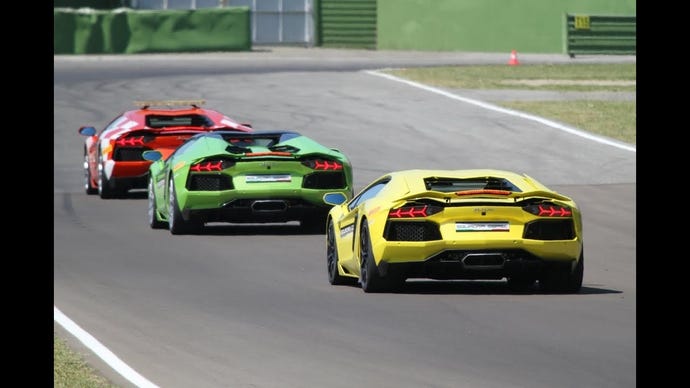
{"x":511,"y":112}
{"x":101,"y":351}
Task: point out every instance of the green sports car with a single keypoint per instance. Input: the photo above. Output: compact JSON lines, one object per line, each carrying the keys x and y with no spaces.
{"x":245,"y":177}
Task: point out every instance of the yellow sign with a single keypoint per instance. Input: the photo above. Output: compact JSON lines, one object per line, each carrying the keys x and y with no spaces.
{"x":582,"y":22}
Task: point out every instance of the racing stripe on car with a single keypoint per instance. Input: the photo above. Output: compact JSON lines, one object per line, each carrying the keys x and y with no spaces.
{"x":120,"y":130}
{"x":106,"y":148}
{"x":227,"y":121}
{"x":109,"y":166}
{"x":113,"y":127}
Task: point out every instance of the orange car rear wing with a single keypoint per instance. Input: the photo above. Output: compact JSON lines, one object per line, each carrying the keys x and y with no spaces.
{"x":169,"y":103}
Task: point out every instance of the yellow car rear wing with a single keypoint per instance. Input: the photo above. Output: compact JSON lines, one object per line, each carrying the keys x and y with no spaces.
{"x":486,"y":194}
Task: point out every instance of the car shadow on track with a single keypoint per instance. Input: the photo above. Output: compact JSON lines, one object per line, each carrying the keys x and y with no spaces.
{"x":478,"y":287}
{"x":134,"y":194}
{"x":270,"y":229}
{"x":249,"y":229}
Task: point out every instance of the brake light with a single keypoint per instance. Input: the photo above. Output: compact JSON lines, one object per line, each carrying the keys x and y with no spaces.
{"x":271,"y":153}
{"x":207,"y":166}
{"x":243,"y":140}
{"x":130,"y":141}
{"x":323,"y":165}
{"x":414,"y":211}
{"x":549,"y":210}
{"x":483,"y":191}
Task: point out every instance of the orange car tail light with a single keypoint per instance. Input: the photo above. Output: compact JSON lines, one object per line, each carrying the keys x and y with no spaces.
{"x":132,"y":141}
{"x":549,"y":210}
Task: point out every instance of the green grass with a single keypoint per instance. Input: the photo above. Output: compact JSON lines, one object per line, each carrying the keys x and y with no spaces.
{"x":614,"y":119}
{"x":71,"y":371}
{"x":619,"y":77}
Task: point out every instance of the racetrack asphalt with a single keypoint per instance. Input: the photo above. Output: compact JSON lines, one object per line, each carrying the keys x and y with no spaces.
{"x":291,"y":58}
{"x":250,"y":306}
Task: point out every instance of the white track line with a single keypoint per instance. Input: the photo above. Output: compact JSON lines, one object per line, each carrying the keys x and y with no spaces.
{"x":511,"y":112}
{"x":101,"y":351}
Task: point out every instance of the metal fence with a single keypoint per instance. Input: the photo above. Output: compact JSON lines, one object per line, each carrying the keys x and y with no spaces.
{"x":601,"y":34}
{"x":274,"y":22}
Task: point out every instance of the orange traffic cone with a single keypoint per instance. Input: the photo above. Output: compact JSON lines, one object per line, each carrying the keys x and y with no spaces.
{"x":513,"y":59}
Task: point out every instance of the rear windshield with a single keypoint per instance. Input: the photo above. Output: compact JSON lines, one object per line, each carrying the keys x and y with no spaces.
{"x":266,"y":139}
{"x":159,"y":121}
{"x":448,"y":185}
{"x":252,"y":141}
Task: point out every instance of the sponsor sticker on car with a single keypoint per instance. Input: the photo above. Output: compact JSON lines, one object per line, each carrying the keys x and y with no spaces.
{"x":268,"y":178}
{"x":482,"y":227}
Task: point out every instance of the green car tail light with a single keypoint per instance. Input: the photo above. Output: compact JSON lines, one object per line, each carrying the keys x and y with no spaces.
{"x":323,"y":164}
{"x":211,"y":165}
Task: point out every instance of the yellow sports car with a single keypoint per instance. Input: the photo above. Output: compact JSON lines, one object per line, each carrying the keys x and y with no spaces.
{"x":455,"y":224}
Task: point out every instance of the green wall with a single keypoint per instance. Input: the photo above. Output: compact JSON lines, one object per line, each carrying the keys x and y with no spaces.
{"x":95,"y":4}
{"x":147,"y":31}
{"x":347,"y":23}
{"x":530,"y":26}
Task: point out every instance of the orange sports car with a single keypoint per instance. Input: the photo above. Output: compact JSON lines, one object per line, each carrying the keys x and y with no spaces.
{"x":113,"y":164}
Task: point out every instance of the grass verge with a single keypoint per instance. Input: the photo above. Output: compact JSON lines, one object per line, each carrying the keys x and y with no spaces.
{"x":615,"y":77}
{"x":613,"y":119}
{"x":71,"y":371}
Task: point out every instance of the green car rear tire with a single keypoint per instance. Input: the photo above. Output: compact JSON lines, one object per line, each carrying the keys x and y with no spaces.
{"x":176,"y":222}
{"x":152,"y":214}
